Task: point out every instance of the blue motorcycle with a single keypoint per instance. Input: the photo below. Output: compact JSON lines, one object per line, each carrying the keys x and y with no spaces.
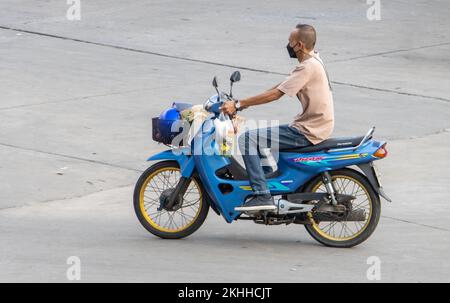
{"x":313,"y":186}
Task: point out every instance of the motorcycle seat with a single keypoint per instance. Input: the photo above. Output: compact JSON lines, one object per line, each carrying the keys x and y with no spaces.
{"x":331,"y":143}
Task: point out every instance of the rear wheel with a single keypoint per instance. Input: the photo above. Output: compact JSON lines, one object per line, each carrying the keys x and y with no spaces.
{"x":150,"y":196}
{"x":346,"y":233}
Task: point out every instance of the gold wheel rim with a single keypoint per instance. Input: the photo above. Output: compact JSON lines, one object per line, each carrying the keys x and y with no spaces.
{"x":169,"y":221}
{"x":329,"y":230}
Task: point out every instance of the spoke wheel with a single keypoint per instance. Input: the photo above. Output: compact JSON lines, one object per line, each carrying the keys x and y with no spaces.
{"x":150,"y":199}
{"x":344,"y":233}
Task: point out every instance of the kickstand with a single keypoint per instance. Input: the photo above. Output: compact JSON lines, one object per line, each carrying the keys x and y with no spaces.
{"x":264,"y":215}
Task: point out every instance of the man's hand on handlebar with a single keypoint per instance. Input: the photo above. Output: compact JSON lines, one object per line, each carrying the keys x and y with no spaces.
{"x":229,"y":107}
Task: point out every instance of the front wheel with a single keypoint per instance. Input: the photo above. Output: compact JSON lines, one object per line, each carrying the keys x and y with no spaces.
{"x":150,"y":195}
{"x":346,"y":233}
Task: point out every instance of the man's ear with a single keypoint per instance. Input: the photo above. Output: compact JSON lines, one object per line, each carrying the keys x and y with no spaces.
{"x":302,"y":46}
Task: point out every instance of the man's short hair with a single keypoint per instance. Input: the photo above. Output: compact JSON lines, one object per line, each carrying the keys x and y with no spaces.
{"x":307,"y":35}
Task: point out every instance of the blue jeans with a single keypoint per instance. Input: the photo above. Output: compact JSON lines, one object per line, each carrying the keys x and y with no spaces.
{"x":275,"y":138}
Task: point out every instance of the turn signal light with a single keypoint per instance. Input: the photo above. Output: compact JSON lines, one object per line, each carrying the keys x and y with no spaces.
{"x":381,"y":152}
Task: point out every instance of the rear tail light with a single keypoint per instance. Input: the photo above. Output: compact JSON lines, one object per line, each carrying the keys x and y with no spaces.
{"x":381,"y":152}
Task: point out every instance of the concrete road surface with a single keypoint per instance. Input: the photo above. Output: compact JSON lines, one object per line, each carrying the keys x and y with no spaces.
{"x":75,"y":130}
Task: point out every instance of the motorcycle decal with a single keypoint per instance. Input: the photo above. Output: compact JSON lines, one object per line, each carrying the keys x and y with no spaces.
{"x":271,"y":186}
{"x":287,"y":181}
{"x":319,"y":160}
{"x":346,"y":157}
{"x":308,"y":159}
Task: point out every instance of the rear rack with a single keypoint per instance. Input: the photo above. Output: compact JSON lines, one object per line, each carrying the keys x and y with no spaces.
{"x":353,"y":148}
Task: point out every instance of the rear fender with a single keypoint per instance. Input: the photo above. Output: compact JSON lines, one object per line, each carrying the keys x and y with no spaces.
{"x":186,"y":162}
{"x":369,"y":171}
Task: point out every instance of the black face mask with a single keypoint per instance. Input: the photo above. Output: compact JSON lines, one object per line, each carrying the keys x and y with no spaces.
{"x":291,"y":51}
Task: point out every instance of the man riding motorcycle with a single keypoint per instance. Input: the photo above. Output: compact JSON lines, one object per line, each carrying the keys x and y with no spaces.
{"x":310,"y":83}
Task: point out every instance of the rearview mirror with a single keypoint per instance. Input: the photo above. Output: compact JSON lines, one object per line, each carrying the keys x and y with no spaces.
{"x":235,"y":76}
{"x":214,"y":83}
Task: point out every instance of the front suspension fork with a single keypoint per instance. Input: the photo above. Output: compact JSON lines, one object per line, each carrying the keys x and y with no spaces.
{"x":180,"y":189}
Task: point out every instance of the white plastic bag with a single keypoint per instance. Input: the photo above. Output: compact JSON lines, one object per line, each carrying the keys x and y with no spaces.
{"x":195,"y":117}
{"x":225,"y":134}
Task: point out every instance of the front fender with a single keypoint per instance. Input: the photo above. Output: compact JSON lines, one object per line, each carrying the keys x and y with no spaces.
{"x":186,"y":162}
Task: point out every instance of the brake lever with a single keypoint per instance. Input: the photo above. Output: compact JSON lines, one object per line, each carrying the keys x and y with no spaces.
{"x":227,"y":96}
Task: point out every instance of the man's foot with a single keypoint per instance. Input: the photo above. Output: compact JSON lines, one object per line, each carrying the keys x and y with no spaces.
{"x":257,"y":203}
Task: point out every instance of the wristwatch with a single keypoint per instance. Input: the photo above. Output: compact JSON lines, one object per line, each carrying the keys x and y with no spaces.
{"x":237,"y":104}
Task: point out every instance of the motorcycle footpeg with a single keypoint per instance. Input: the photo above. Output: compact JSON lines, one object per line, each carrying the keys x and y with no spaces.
{"x":287,"y":207}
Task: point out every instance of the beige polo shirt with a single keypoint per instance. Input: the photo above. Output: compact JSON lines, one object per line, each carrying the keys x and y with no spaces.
{"x":308,"y":81}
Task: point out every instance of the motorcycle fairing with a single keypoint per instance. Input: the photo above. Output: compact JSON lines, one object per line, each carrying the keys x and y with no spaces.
{"x":296,"y":169}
